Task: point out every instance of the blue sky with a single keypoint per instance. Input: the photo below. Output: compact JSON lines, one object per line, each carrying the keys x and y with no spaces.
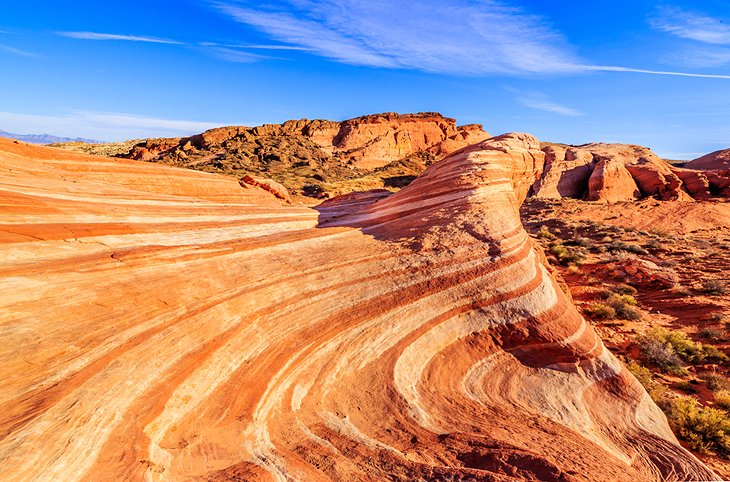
{"x":567,"y":71}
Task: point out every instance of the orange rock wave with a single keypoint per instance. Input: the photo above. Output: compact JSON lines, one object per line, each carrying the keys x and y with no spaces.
{"x":165,"y":324}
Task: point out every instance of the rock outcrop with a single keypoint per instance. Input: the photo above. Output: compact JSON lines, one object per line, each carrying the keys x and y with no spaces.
{"x":319,"y":157}
{"x":718,"y":160}
{"x":622,"y":172}
{"x":168,"y":324}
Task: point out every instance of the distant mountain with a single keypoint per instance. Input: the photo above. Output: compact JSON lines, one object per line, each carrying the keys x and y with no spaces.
{"x":43,"y":138}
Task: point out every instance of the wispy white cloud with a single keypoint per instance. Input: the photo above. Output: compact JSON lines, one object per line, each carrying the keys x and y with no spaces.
{"x":14,"y":51}
{"x":613,"y":68}
{"x":691,"y":25}
{"x":701,"y":57}
{"x":450,"y":36}
{"x":101,"y":125}
{"x":539,"y":102}
{"x":443,"y":36}
{"x":253,"y":46}
{"x":113,"y":36}
{"x":233,"y":55}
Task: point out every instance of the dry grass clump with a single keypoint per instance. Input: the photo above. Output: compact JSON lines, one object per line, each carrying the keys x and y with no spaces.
{"x":680,"y":290}
{"x":714,"y":287}
{"x":600,"y":311}
{"x":713,"y":334}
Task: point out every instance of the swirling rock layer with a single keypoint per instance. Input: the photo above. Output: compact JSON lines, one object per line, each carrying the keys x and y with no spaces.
{"x":170,"y":325}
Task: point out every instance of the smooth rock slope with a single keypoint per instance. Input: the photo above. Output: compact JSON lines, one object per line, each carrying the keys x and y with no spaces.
{"x":166,"y":324}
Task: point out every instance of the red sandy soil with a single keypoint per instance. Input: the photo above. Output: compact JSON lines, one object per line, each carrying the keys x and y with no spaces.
{"x":691,"y":239}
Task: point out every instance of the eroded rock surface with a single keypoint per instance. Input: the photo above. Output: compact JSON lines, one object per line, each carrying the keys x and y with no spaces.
{"x":623,"y":172}
{"x":718,"y":160}
{"x":167,"y":324}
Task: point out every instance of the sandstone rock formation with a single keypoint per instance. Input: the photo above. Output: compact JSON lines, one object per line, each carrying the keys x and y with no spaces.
{"x":319,"y":158}
{"x":718,"y":160}
{"x":622,"y":172}
{"x":168,"y":324}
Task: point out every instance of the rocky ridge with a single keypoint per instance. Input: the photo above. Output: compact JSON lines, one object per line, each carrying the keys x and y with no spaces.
{"x":718,"y":160}
{"x":319,"y":158}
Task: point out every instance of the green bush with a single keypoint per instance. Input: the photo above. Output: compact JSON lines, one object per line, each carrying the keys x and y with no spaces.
{"x":544,"y":233}
{"x":622,"y":304}
{"x":566,"y":255}
{"x":675,"y":344}
{"x":705,"y":429}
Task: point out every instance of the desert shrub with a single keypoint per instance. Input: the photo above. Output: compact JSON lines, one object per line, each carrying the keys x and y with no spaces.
{"x":586,"y":243}
{"x":617,"y":246}
{"x":655,"y":390}
{"x":682,"y":346}
{"x":653,"y":244}
{"x":680,"y":290}
{"x":687,"y":387}
{"x":722,"y":399}
{"x":714,"y":287}
{"x":622,"y":304}
{"x":659,"y":354}
{"x":659,"y":232}
{"x":566,"y":255}
{"x":705,"y":429}
{"x":713,"y":354}
{"x":714,"y":334}
{"x":624,"y":289}
{"x":716,"y":382}
{"x":600,"y":311}
{"x":544,"y":233}
{"x":636,"y":249}
{"x":716,"y":317}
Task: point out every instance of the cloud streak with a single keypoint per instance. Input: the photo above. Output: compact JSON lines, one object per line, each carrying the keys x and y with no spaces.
{"x":14,"y":51}
{"x":448,"y":36}
{"x":539,"y":103}
{"x":118,"y":37}
{"x":101,"y":125}
{"x":442,"y":36}
{"x":690,"y":25}
{"x":612,"y":68}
